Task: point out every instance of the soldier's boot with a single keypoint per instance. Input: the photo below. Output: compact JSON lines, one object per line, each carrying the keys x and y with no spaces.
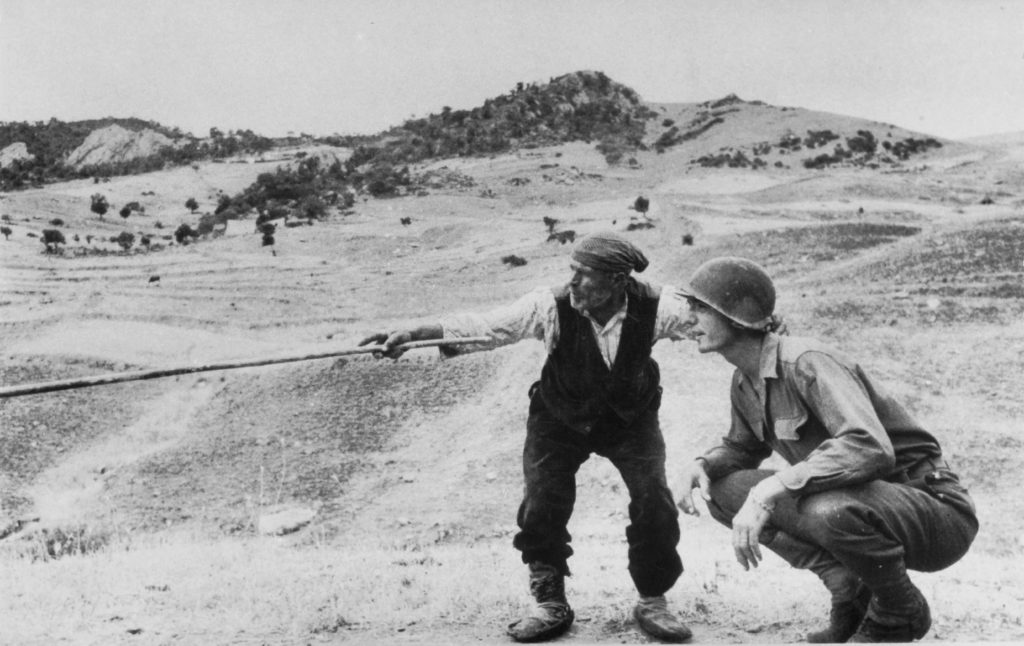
{"x":654,"y":617}
{"x":844,"y":618}
{"x":898,"y":612}
{"x":551,"y":615}
{"x":850,"y":597}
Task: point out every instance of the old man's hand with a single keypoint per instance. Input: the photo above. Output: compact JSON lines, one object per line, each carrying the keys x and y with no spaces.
{"x":391,"y":342}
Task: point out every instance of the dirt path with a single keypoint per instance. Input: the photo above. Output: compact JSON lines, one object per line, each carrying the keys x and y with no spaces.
{"x":73,"y":491}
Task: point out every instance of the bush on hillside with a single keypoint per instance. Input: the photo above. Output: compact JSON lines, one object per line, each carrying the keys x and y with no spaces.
{"x":184,"y":233}
{"x":99,"y":204}
{"x":52,"y":238}
{"x":125,"y":240}
{"x":864,"y":143}
{"x":816,"y":138}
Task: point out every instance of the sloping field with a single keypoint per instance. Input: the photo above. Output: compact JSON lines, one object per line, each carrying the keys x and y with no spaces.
{"x":148,"y":495}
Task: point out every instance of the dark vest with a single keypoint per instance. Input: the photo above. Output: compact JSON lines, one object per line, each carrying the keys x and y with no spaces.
{"x":576,"y":385}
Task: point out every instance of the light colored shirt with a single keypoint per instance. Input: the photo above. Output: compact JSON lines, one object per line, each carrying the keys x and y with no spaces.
{"x":535,"y":316}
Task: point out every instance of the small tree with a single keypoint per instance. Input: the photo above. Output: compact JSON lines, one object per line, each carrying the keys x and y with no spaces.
{"x":223,"y":204}
{"x":99,"y":205}
{"x":126,"y":240}
{"x":641,"y":205}
{"x":183,"y":233}
{"x":550,"y":223}
{"x":191,"y":204}
{"x":125,"y":212}
{"x":268,"y":229}
{"x":6,"y":231}
{"x":52,"y":238}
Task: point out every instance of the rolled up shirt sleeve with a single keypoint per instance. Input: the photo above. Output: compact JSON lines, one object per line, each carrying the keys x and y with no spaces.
{"x":858,"y":448}
{"x":532,"y":316}
{"x":673,"y":319}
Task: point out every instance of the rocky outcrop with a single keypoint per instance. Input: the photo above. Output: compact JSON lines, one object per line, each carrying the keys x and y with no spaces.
{"x":15,"y":152}
{"x":115,"y":144}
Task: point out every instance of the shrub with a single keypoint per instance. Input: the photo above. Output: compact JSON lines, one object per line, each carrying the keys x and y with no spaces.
{"x":633,"y":226}
{"x":99,"y":205}
{"x":817,"y":138}
{"x":513,"y":260}
{"x":641,"y":205}
{"x":52,"y":238}
{"x":223,"y":204}
{"x":864,"y":143}
{"x":183,"y":233}
{"x":126,"y":239}
{"x":669,"y":138}
{"x":312,"y":207}
{"x":57,"y":222}
{"x":687,"y":239}
{"x":207,"y":223}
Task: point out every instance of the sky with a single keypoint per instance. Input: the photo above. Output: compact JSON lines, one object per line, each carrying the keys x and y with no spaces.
{"x":949,"y":68}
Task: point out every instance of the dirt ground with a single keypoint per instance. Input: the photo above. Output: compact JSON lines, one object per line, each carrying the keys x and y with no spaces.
{"x":906,"y":270}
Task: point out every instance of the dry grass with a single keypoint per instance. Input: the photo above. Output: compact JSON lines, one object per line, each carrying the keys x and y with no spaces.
{"x":414,"y":467}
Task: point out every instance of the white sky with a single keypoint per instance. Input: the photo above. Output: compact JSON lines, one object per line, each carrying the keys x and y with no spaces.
{"x":953,"y":68}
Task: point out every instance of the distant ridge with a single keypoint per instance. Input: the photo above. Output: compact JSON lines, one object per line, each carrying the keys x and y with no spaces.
{"x":583,"y":106}
{"x":56,"y":150}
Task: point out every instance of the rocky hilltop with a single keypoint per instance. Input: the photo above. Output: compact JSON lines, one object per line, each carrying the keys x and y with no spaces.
{"x":115,"y":144}
{"x":17,"y":151}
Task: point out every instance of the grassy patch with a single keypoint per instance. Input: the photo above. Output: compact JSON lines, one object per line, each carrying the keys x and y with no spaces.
{"x":991,"y":252}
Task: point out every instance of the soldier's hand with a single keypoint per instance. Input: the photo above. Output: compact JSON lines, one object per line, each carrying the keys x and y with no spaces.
{"x":694,"y":477}
{"x":391,"y":342}
{"x":746,"y":529}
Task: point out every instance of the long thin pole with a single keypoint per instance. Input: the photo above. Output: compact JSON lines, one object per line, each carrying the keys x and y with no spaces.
{"x":139,"y":375}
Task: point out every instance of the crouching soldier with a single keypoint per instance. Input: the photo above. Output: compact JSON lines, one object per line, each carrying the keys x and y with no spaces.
{"x":867,"y":494}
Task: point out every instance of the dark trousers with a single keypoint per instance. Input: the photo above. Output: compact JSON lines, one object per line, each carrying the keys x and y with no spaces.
{"x":876,"y":530}
{"x":553,"y":454}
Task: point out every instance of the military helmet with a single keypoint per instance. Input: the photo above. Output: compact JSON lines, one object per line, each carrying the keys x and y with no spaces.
{"x":737,"y":288}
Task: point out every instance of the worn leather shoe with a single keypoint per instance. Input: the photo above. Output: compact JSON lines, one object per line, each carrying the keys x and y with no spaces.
{"x":653,"y":616}
{"x":844,"y":619}
{"x":915,"y":627}
{"x":546,"y":621}
{"x":551,"y":616}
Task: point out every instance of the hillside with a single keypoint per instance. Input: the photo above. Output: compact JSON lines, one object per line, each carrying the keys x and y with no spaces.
{"x":136,"y":508}
{"x":96,"y":148}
